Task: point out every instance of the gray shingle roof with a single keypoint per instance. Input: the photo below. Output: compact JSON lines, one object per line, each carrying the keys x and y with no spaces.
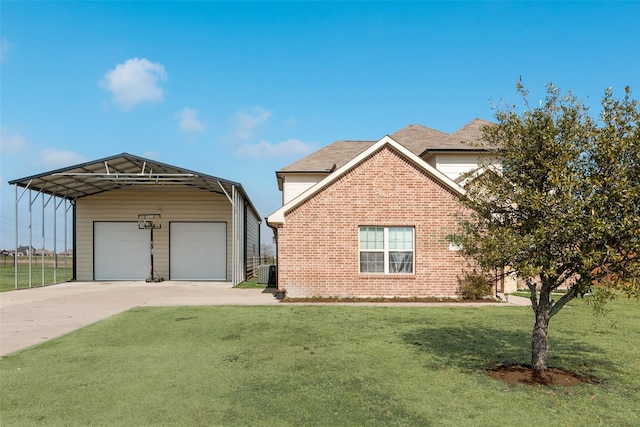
{"x":338,"y":153}
{"x":416,"y":138}
{"x":468,"y":137}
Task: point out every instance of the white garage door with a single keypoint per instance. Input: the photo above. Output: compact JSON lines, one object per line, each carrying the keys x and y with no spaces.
{"x":198,"y":250}
{"x":121,"y":251}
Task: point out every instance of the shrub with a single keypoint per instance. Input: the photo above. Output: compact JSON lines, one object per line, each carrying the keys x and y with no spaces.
{"x":475,"y":285}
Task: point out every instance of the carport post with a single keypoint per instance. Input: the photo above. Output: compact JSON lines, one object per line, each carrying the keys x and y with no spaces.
{"x":66,"y":220}
{"x":234,"y":218}
{"x":44,"y":205}
{"x":31,"y":201}
{"x":15,"y":254}
{"x":55,"y":240}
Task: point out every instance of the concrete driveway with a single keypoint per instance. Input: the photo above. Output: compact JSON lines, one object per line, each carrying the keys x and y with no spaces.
{"x":32,"y":316}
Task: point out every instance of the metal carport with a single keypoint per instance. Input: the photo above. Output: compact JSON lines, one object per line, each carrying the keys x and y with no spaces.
{"x":65,"y":186}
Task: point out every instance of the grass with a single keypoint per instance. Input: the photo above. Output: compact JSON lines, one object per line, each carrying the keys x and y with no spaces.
{"x":251,"y":284}
{"x":324,"y":365}
{"x":7,"y":276}
{"x":7,"y":271}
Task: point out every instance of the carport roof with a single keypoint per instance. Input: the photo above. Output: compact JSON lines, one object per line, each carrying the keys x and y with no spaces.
{"x":119,"y":171}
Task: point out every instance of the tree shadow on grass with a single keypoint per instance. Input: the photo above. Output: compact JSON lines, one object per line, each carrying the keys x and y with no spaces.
{"x":469,"y":347}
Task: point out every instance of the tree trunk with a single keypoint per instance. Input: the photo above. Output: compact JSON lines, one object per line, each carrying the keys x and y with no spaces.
{"x":539,"y":339}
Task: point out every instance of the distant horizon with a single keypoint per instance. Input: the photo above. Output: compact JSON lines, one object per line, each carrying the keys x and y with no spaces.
{"x":46,"y":251}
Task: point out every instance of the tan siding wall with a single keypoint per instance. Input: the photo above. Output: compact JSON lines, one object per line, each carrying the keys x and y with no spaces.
{"x":253,"y":246}
{"x":175,"y":204}
{"x":318,"y":244}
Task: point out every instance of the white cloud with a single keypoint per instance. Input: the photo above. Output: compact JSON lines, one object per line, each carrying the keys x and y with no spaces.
{"x":246,"y":122}
{"x":5,"y":47}
{"x":154,"y":155}
{"x":12,"y":143}
{"x":189,"y":121}
{"x":135,"y":81}
{"x":54,"y":159}
{"x":23,"y":157}
{"x":264,"y":149}
{"x":291,"y":122}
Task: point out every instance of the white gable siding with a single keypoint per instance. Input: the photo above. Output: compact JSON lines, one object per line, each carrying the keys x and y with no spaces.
{"x":296,"y":184}
{"x":455,"y":164}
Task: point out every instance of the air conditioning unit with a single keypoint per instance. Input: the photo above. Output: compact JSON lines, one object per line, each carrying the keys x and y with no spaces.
{"x":265,"y":272}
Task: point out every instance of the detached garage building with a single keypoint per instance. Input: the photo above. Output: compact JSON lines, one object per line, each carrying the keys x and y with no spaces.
{"x":206,"y":228}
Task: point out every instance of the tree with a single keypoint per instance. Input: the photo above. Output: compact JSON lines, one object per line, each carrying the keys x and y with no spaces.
{"x":266,"y":250}
{"x":559,"y":204}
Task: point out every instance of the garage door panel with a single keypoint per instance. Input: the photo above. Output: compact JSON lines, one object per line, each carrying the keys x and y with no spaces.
{"x":198,"y":250}
{"x":121,"y":251}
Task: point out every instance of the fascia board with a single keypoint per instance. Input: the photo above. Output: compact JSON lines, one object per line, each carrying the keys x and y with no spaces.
{"x":496,"y":168}
{"x":277,"y":217}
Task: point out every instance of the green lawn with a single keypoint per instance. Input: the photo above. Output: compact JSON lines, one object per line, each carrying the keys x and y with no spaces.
{"x":7,"y":271}
{"x":324,"y":365}
{"x":251,"y":284}
{"x":7,"y":276}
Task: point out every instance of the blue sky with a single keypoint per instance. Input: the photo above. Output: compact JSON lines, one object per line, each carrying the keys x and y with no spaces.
{"x":239,"y":90}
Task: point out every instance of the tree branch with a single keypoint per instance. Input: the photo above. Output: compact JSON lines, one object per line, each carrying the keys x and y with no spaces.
{"x":571,"y":294}
{"x":532,"y":296}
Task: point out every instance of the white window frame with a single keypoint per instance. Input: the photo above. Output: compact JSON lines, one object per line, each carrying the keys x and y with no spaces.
{"x":386,"y":250}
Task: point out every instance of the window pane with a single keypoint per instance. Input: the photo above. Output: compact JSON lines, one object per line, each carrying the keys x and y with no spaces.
{"x":371,"y":262}
{"x":401,"y":238}
{"x":371,"y":238}
{"x":401,"y":262}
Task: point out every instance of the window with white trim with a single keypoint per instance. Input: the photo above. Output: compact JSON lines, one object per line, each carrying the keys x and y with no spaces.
{"x":386,"y":250}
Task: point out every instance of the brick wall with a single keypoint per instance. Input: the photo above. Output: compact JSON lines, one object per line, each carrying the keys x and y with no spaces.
{"x":318,"y":244}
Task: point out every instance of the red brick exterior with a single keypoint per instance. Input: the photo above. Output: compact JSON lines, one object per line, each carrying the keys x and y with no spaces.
{"x":318,"y":244}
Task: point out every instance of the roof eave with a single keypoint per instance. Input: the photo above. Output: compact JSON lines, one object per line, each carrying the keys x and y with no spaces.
{"x":277,"y":217}
{"x":90,"y":178}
